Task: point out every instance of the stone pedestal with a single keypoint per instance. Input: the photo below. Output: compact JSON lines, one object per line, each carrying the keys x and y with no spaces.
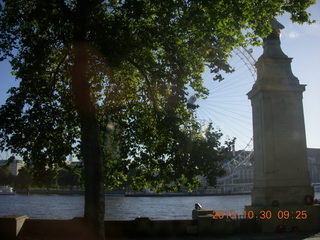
{"x":282,"y":185}
{"x":281,"y":173}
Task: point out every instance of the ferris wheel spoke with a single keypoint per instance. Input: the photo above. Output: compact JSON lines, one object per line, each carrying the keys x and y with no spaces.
{"x":230,"y":113}
{"x":234,"y":121}
{"x":230,"y":102}
{"x":241,"y":111}
{"x":227,"y":104}
{"x":230,"y":85}
{"x":227,"y":83}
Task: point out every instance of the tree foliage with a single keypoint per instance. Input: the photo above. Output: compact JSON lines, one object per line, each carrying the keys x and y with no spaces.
{"x":68,"y":178}
{"x":6,"y":176}
{"x":24,"y":179}
{"x":118,"y":72}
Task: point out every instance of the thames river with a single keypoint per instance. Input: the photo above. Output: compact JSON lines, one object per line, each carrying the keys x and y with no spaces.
{"x":118,"y":207}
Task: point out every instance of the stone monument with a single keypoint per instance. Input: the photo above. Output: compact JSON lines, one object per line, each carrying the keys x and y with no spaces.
{"x":281,"y":176}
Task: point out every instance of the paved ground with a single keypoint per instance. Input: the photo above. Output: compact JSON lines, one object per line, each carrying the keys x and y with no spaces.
{"x":278,"y":236}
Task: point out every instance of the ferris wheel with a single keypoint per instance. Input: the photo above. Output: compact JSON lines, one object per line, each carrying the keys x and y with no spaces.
{"x":227,"y":106}
{"x":229,"y":110}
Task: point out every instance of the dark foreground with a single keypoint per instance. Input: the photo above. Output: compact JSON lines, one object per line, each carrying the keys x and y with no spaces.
{"x":203,"y":228}
{"x":275,"y":236}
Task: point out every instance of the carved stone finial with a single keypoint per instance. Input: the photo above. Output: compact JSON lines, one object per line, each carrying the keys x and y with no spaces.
{"x":276,"y":28}
{"x":272,"y":41}
{"x":276,"y":25}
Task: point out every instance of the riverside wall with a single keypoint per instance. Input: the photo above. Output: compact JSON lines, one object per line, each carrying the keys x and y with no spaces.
{"x":23,"y":228}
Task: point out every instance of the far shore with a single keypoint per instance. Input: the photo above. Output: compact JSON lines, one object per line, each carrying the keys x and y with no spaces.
{"x":123,"y":193}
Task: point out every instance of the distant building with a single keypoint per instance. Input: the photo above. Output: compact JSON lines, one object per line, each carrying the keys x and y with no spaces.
{"x":240,"y":180}
{"x":14,"y":167}
{"x":314,"y":164}
{"x":74,"y":163}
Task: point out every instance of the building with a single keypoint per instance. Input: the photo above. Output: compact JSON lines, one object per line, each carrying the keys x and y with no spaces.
{"x":314,"y":164}
{"x":240,"y":179}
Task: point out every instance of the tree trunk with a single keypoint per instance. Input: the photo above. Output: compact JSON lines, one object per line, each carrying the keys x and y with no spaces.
{"x":90,"y":145}
{"x":90,"y":138}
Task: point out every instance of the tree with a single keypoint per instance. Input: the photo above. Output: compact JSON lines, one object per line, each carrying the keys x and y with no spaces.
{"x":86,"y":67}
{"x":6,"y":176}
{"x":68,"y":178}
{"x":23,"y":179}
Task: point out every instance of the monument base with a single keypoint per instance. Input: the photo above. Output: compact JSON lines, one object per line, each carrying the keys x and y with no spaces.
{"x":286,"y":218}
{"x":283,"y":195}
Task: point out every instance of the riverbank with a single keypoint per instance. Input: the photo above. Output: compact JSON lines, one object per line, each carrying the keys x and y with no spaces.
{"x":122,"y":193}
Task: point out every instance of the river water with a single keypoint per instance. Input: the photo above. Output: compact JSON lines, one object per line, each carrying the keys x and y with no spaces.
{"x":118,"y":207}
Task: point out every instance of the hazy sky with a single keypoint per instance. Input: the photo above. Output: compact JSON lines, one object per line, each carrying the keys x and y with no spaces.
{"x":302,"y":43}
{"x":233,"y":114}
{"x":228,"y":106}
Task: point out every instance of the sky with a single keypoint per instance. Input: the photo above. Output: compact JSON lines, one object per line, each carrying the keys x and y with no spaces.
{"x":302,"y":43}
{"x":228,"y":106}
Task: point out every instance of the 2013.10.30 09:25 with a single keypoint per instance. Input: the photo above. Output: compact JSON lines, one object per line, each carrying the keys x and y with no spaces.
{"x":262,"y":215}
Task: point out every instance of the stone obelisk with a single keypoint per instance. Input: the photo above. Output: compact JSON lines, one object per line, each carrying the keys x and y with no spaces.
{"x":281,"y":175}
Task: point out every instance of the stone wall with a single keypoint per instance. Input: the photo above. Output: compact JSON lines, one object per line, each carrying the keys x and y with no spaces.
{"x":21,"y":227}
